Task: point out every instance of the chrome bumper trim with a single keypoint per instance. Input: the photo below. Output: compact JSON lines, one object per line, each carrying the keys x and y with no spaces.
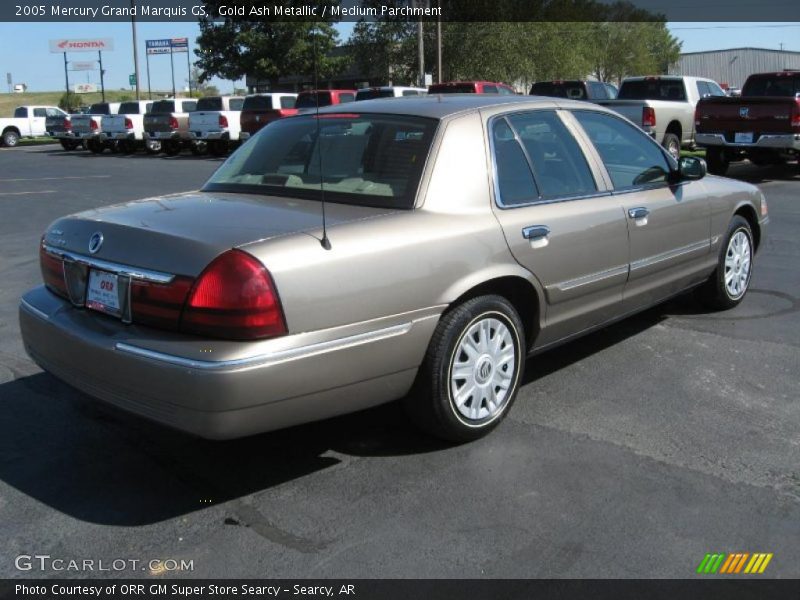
{"x":119,"y":269}
{"x":263,"y":360}
{"x":775,"y":141}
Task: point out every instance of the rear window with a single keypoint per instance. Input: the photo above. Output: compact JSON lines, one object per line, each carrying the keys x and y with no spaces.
{"x":309,"y":99}
{"x":368,"y":159}
{"x":257,"y":103}
{"x":652,"y":89}
{"x":370,"y":94}
{"x":235,"y":103}
{"x":101,"y":108}
{"x":561,"y":89}
{"x":772,"y":85}
{"x":460,"y":88}
{"x":129,"y":108}
{"x":210,"y":103}
{"x":163,"y":107}
{"x":21,"y":113}
{"x":288,"y":101}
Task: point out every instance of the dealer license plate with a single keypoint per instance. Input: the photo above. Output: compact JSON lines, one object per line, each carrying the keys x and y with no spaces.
{"x":102,"y":293}
{"x":743,"y":138}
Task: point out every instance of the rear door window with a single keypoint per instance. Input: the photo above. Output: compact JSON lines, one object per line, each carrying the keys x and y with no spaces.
{"x":346,"y":97}
{"x":632,"y":159}
{"x":21,"y":113}
{"x":288,"y":101}
{"x":488,"y":88}
{"x":39,"y":112}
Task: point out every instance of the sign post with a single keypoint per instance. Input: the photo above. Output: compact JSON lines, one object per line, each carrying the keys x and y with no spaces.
{"x":66,"y":72}
{"x":182,"y":45}
{"x":102,"y":74}
{"x":9,"y":81}
{"x":62,"y":46}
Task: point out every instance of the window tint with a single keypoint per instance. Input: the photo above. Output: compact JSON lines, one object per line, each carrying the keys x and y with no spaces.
{"x":370,"y":159}
{"x":451,"y":88}
{"x":488,"y":88}
{"x":771,"y":85}
{"x":101,"y":108}
{"x":211,"y":103}
{"x":39,"y":112}
{"x":288,"y":101}
{"x":236,"y":103}
{"x":310,"y":99}
{"x":163,"y":107}
{"x":21,"y":113}
{"x":410,"y":93}
{"x":611,"y":90}
{"x":630,"y":156}
{"x":129,"y":108}
{"x":514,"y":177}
{"x":596,"y":90}
{"x":714,"y":89}
{"x":54,"y":112}
{"x":257,"y":103}
{"x":190,"y":106}
{"x":702,"y":89}
{"x":652,"y":89}
{"x":346,"y":97}
{"x":559,"y":165}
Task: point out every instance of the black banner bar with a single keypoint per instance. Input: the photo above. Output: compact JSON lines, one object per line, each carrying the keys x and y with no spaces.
{"x":70,"y":11}
{"x":734,"y":588}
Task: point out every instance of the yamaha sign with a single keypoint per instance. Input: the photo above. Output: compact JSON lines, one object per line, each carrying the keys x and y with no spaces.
{"x":93,"y":45}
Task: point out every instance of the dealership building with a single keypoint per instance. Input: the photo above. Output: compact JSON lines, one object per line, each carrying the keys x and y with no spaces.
{"x":732,"y":66}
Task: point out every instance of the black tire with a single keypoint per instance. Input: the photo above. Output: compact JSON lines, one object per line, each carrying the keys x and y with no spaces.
{"x":10,"y":138}
{"x":171,"y":148}
{"x":714,"y":293}
{"x":430,"y":403}
{"x":152,"y":146}
{"x":218,"y":147}
{"x":672,"y":144}
{"x":95,"y":147}
{"x":198,"y":148}
{"x":716,"y":161}
{"x":127,"y":146}
{"x":68,"y":145}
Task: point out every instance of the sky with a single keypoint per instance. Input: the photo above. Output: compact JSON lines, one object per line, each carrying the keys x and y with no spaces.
{"x":24,"y":50}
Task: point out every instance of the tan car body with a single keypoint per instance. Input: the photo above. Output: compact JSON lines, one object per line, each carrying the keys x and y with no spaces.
{"x":361,"y":315}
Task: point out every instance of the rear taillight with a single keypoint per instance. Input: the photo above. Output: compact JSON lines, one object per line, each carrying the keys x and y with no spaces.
{"x":796,"y":114}
{"x":648,"y":117}
{"x":128,"y":123}
{"x":697,"y":117}
{"x":159,"y":305}
{"x":287,"y":112}
{"x":92,"y":124}
{"x":67,"y":124}
{"x":173,"y":123}
{"x":234,"y":298}
{"x":52,"y":272}
{"x":223,"y":121}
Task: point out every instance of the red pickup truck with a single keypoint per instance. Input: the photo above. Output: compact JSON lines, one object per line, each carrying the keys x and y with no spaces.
{"x":762,"y":125}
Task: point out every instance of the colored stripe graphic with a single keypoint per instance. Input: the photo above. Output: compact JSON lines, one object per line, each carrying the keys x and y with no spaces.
{"x":734,"y":563}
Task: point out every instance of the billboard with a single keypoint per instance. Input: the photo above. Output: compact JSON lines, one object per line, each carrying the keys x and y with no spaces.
{"x":180,"y":44}
{"x":86,"y":45}
{"x":167,"y":46}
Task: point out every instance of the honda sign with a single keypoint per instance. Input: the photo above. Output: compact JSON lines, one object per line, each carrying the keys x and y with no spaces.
{"x":93,"y":45}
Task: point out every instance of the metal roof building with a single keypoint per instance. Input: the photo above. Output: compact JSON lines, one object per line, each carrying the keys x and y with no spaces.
{"x":732,"y":66}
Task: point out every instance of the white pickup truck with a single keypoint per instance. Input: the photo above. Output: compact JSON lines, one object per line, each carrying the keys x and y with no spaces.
{"x":27,"y":122}
{"x":217,"y":123}
{"x":89,"y":127}
{"x":125,"y":130}
{"x":663,"y":106}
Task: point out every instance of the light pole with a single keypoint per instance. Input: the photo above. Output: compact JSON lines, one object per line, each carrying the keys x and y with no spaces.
{"x":135,"y":47}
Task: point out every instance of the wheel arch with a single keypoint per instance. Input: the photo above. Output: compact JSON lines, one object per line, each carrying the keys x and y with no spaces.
{"x":13,"y":128}
{"x":676,"y":128}
{"x":748,"y":213}
{"x":520,"y":290}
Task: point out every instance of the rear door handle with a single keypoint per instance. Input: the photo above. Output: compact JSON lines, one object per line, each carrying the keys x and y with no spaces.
{"x":638,"y":213}
{"x":535,"y":232}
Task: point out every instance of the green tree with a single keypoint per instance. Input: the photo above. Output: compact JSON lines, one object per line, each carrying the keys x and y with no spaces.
{"x":237,"y":47}
{"x":69,"y":102}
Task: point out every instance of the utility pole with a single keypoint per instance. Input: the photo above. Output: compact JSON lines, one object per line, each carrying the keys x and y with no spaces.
{"x":102,"y":75}
{"x":421,"y":48}
{"x":135,"y":47}
{"x":439,"y":43}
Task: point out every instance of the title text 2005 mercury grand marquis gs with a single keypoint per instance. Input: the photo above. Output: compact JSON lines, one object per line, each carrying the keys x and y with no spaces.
{"x":464,"y":233}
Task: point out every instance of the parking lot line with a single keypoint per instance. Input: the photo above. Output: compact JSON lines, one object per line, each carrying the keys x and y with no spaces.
{"x":27,"y":193}
{"x":59,"y":178}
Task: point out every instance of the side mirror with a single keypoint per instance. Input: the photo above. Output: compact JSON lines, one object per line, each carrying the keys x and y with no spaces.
{"x":691,"y":168}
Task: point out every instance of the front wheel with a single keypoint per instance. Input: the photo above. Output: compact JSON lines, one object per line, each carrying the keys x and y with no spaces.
{"x":10,"y":138}
{"x":472,"y":370}
{"x":672,"y":144}
{"x":729,"y":282}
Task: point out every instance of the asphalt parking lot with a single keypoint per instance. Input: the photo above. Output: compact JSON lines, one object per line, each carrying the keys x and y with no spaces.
{"x":629,"y":453}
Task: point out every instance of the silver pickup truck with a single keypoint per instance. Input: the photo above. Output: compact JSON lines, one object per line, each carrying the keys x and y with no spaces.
{"x":663,"y":106}
{"x":89,"y":127}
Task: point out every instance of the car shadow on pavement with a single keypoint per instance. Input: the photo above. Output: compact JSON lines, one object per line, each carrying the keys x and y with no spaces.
{"x":59,"y":152}
{"x":101,"y":465}
{"x":751,"y":173}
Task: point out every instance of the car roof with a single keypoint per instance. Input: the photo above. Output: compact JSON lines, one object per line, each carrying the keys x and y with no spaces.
{"x":441,"y":106}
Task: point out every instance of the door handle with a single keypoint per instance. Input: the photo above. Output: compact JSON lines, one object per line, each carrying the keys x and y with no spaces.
{"x":638,"y":213}
{"x":535,"y":232}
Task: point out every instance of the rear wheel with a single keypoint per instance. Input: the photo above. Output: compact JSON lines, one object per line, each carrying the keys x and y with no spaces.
{"x":10,"y":138}
{"x":729,"y":282}
{"x":717,"y":162}
{"x":69,"y":145}
{"x":95,"y":147}
{"x":127,"y":146}
{"x":171,"y":148}
{"x":218,"y":147}
{"x":152,"y":147}
{"x":198,"y":148}
{"x":472,"y":370}
{"x":672,"y":145}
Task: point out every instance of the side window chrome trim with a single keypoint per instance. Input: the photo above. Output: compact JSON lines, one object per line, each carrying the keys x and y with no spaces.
{"x":498,"y":200}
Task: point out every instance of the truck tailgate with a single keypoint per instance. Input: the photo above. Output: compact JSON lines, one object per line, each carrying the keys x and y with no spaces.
{"x":755,"y":114}
{"x":204,"y":121}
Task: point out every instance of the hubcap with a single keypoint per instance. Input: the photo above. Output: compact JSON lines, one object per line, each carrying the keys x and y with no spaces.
{"x":737,"y":265}
{"x":482,"y":372}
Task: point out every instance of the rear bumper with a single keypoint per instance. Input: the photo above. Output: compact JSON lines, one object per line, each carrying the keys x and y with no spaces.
{"x":259,"y":387}
{"x":123,"y":136}
{"x":776,"y":141}
{"x":203,"y":136}
{"x":163,"y":135}
{"x":63,"y":135}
